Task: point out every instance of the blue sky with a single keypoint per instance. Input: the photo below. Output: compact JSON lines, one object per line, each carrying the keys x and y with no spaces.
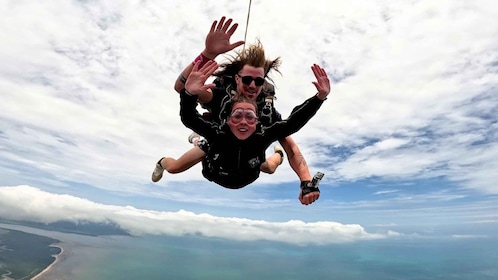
{"x":407,"y":138}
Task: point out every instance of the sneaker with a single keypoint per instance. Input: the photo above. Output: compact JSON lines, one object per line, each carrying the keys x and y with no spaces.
{"x":193,"y":137}
{"x":278,"y":149}
{"x":157,"y":174}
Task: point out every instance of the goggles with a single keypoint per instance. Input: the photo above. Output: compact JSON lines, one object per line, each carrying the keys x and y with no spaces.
{"x":239,"y":114}
{"x":247,"y":80}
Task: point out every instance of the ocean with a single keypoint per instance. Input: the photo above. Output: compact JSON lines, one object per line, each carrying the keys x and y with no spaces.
{"x":197,"y":257}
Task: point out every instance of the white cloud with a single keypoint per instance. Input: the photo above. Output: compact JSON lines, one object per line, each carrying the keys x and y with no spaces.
{"x":27,"y":203}
{"x":466,"y":236}
{"x":87,"y":89}
{"x":385,"y":192}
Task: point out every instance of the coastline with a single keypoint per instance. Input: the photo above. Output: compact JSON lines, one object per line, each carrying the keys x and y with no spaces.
{"x":58,"y":258}
{"x":79,"y":254}
{"x":56,"y":270}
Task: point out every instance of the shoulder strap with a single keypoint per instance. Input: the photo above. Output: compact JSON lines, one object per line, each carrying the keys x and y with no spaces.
{"x":268,"y":89}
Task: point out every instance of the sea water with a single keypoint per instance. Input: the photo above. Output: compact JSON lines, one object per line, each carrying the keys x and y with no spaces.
{"x":195,"y":257}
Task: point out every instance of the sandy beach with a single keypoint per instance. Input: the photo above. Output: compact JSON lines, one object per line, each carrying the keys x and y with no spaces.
{"x":75,"y":249}
{"x":45,"y":274}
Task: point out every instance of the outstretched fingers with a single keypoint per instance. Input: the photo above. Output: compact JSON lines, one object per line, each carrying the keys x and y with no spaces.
{"x":218,"y":38}
{"x":198,"y":76}
{"x":222,"y":25}
{"x":213,"y":26}
{"x":226,"y":25}
{"x":229,"y":30}
{"x":205,"y":71}
{"x":322,"y":83}
{"x":232,"y":29}
{"x":318,"y":71}
{"x":209,"y":68}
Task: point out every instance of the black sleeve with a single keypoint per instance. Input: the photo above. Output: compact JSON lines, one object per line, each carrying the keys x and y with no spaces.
{"x":215,"y":100}
{"x":276,"y":115}
{"x":192,"y":119}
{"x":298,"y":118}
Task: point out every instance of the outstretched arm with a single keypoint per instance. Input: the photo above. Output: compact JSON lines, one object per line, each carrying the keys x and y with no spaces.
{"x":296,"y":159}
{"x":188,"y":99}
{"x":217,"y":42}
{"x":303,"y":113}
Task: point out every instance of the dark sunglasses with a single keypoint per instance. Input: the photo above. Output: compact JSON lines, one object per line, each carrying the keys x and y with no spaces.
{"x":239,"y":114}
{"x":247,"y":80}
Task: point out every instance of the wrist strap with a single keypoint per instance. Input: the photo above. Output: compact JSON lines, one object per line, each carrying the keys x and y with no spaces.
{"x":311,"y":186}
{"x":202,"y":58}
{"x":182,"y":79}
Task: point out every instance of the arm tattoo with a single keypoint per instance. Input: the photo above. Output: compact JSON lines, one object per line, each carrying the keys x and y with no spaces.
{"x":302,"y":161}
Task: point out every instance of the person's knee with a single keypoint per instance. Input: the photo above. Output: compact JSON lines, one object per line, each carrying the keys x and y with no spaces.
{"x":270,"y":171}
{"x":265,"y":168}
{"x":172,"y":166}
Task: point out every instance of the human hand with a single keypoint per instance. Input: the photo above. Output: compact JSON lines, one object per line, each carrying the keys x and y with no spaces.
{"x":195,"y":81}
{"x":322,"y":83}
{"x":309,"y":198}
{"x":218,"y":38}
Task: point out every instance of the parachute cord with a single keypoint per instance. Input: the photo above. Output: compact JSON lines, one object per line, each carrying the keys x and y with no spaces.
{"x":247,"y":22}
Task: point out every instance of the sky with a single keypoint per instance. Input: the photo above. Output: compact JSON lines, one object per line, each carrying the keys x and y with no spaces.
{"x":407,"y":139}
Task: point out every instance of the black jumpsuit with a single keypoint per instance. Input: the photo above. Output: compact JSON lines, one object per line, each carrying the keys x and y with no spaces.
{"x":234,"y":163}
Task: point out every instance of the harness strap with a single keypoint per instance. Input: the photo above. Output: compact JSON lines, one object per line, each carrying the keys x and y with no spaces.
{"x":247,"y":22}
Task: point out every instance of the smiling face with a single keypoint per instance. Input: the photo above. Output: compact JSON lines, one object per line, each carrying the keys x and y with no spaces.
{"x":243,"y":120}
{"x":250,"y":90}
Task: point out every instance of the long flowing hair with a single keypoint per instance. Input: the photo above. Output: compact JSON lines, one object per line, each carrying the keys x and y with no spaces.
{"x":254,"y":56}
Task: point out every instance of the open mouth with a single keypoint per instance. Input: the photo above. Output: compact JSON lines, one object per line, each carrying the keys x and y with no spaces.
{"x":251,"y":94}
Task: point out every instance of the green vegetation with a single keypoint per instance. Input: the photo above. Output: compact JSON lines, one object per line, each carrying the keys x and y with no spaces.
{"x":24,"y":255}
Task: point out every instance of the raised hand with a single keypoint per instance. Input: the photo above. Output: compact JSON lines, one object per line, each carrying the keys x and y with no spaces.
{"x":195,"y":81}
{"x":218,"y":38}
{"x":322,"y":83}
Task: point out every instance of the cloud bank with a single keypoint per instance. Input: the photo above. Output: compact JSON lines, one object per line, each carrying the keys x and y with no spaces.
{"x":25,"y":203}
{"x":409,"y":134}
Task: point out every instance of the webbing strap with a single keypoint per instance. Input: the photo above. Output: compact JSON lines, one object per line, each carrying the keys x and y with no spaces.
{"x":247,"y":22}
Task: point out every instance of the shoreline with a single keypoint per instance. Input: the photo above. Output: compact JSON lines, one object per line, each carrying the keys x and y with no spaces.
{"x":58,"y":259}
{"x":65,"y":243}
{"x":75,"y":251}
